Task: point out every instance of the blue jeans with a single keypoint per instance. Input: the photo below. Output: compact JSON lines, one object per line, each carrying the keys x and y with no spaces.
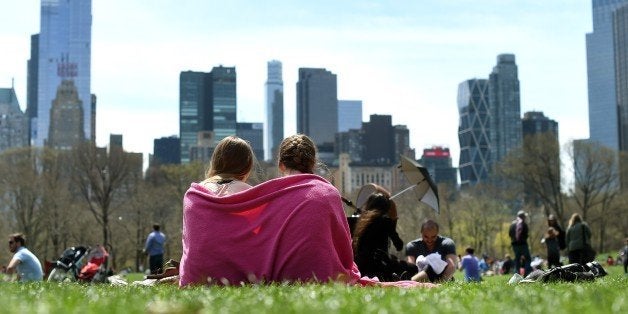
{"x":522,"y":251}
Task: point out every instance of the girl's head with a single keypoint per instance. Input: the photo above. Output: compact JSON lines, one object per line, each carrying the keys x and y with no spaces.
{"x":297,"y":153}
{"x":232,"y":159}
{"x":575,"y":218}
{"x":379,"y":202}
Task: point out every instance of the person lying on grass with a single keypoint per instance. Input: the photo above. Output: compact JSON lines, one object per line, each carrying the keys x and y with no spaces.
{"x":288,"y":229}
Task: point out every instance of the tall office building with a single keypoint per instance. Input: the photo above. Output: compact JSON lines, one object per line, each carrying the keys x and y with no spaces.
{"x":317,"y":106}
{"x":473,"y":131}
{"x":31,"y":84}
{"x":379,"y":140}
{"x":222,"y":95}
{"x":505,"y":108}
{"x":167,"y":151}
{"x":64,"y":54}
{"x":603,"y":118}
{"x":194,"y":114}
{"x":620,"y":40}
{"x":13,"y":122}
{"x":207,"y":103}
{"x":273,"y":129}
{"x":66,"y":118}
{"x":535,"y":122}
{"x":438,"y":162}
{"x":349,"y":115}
{"x":402,"y":142}
{"x":254,"y":133}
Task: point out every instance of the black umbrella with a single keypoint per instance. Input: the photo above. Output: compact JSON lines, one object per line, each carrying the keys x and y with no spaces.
{"x":423,"y":185}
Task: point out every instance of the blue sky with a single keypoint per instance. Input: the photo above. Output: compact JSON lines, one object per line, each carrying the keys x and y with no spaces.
{"x":403,"y":58}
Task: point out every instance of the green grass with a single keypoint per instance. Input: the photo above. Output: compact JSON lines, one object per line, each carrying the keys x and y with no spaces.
{"x":605,"y":295}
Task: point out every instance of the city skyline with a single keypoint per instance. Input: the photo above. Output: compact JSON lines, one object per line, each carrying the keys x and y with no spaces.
{"x":400,"y":58}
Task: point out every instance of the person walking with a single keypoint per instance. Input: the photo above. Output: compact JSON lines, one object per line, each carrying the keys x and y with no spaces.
{"x":155,"y":249}
{"x":24,"y":262}
{"x":519,"y":240}
{"x":578,"y":240}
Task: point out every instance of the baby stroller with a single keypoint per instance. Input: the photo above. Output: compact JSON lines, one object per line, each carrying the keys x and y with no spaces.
{"x":80,"y":263}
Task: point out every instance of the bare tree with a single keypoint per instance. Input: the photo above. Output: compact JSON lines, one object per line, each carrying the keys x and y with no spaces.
{"x":20,"y":189}
{"x":102,"y":177}
{"x":536,"y":167}
{"x":596,"y":175}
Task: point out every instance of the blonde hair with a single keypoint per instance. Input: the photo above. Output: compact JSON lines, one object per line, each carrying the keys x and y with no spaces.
{"x":575,"y":218}
{"x":298,"y":152}
{"x":232,"y":159}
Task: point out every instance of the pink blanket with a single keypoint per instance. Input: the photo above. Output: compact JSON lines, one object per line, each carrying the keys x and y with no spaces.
{"x":286,"y":229}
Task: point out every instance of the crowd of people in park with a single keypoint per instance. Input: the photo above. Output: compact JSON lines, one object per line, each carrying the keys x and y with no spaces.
{"x":293,"y":228}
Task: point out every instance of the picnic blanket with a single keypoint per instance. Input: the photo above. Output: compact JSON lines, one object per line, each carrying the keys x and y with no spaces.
{"x":287,"y":229}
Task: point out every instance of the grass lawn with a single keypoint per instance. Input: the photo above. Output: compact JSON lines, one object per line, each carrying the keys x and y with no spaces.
{"x":494,"y":295}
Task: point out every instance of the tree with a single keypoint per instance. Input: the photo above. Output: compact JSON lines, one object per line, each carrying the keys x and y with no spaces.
{"x":596,"y":175}
{"x":21,"y":190}
{"x":536,"y":167}
{"x":102,"y":178}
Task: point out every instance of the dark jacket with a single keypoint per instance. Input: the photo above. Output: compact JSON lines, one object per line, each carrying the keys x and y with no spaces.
{"x":577,"y":235}
{"x":523,"y":237}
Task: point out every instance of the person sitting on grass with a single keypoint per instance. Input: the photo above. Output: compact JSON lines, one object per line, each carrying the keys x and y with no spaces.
{"x":288,"y":229}
{"x":470,"y":265}
{"x":429,"y":243}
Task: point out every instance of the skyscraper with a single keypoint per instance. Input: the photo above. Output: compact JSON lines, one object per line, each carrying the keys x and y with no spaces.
{"x":194,"y":112}
{"x":273,"y":129}
{"x":379,"y":140}
{"x":254,"y":133}
{"x":222,"y":96}
{"x":317,"y":106}
{"x":207,"y":103}
{"x":167,"y":150}
{"x":505,"y":109}
{"x":603,"y":119}
{"x":66,"y":118}
{"x":31,"y":84}
{"x":349,"y":115}
{"x":620,"y":40}
{"x":437,"y":160}
{"x":402,"y":142}
{"x":64,"y":54}
{"x":535,"y":122}
{"x":473,"y":131}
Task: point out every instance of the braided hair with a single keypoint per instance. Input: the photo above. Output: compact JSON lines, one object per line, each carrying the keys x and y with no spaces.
{"x":298,"y":152}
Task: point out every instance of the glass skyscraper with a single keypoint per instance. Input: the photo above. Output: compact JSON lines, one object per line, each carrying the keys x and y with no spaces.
{"x":273,"y":129}
{"x":317,"y":106}
{"x":64,"y":54}
{"x":192,"y":106}
{"x":505,"y":108}
{"x":349,"y":115}
{"x":207,"y":103}
{"x":223,"y":101}
{"x":603,"y":119}
{"x":473,"y":131}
